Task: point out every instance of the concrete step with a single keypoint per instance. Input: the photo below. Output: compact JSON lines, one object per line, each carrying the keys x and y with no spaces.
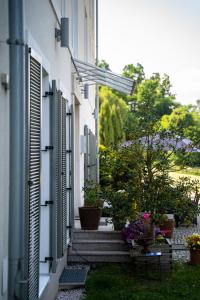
{"x":179,"y":247}
{"x":98,"y":256}
{"x":96,"y":235}
{"x":99,"y":245}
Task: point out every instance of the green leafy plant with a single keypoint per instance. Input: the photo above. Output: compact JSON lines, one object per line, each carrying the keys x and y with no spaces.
{"x":185,"y":209}
{"x":92,"y":195}
{"x":193,"y":241}
{"x":159,"y":219}
{"x":120,"y":206}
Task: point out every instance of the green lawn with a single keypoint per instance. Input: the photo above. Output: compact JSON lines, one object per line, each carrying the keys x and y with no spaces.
{"x":193,"y":174}
{"x":118,"y":282}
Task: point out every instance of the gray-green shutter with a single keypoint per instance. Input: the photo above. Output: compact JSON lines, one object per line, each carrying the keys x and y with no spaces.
{"x":92,"y":157}
{"x":58,"y":175}
{"x":69,"y":170}
{"x":71,"y":204}
{"x":64,"y":174}
{"x":55,"y":186}
{"x":33,"y":173}
{"x":86,"y":155}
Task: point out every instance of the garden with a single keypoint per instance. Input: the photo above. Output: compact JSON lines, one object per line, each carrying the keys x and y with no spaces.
{"x":144,"y":139}
{"x":119,"y":282}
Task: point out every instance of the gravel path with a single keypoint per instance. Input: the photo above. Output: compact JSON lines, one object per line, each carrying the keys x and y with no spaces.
{"x":179,"y":236}
{"x":75,"y":294}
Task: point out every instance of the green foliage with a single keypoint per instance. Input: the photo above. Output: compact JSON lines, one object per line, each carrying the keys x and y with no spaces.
{"x":103,"y":64}
{"x":112,"y":114}
{"x":134,"y":72}
{"x":184,"y":190}
{"x":121,"y":206}
{"x":144,"y":165}
{"x":106,"y":131}
{"x":185,"y":122}
{"x":92,"y":194}
{"x":119,"y":282}
{"x":181,"y":120}
{"x":107,"y":158}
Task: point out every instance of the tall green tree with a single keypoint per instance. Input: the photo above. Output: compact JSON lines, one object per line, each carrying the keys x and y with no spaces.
{"x":106,"y":131}
{"x":113,"y":111}
{"x":184,"y":121}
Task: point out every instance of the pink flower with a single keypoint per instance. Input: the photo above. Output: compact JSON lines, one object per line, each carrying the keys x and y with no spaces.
{"x":146,"y":216}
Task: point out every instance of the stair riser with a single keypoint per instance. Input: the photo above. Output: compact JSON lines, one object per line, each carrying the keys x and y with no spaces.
{"x":98,"y":259}
{"x":100,"y":247}
{"x":97,"y":235}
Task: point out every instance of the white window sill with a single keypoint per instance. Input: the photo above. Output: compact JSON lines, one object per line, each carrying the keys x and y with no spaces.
{"x":43,"y":280}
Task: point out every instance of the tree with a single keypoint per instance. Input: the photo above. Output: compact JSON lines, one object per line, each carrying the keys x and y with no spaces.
{"x":103,"y":64}
{"x":134,"y":72}
{"x":106,"y":132}
{"x":184,"y":121}
{"x":112,"y":115}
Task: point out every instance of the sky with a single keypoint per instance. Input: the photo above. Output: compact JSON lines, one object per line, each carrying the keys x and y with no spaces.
{"x":162,"y":35}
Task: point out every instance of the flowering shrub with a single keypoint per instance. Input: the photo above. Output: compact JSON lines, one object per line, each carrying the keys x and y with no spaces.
{"x":193,"y":241}
{"x":138,"y":229}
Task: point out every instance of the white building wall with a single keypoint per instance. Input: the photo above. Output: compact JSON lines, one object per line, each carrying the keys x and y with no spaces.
{"x":4,"y":150}
{"x":86,"y":106}
{"x":41,"y":19}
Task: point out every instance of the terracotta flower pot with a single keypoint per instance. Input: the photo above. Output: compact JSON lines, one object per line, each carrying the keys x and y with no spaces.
{"x":167,"y":228}
{"x":194,"y":257}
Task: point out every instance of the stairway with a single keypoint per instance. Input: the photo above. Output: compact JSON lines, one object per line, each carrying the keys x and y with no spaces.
{"x":90,"y":246}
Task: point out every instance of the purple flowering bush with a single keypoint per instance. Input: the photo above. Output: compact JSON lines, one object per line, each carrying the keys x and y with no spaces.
{"x":134,"y":231}
{"x":141,"y":229}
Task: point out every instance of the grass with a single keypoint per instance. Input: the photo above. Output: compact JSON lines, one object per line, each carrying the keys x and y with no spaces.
{"x":176,"y":175}
{"x":193,"y":173}
{"x":118,"y":282}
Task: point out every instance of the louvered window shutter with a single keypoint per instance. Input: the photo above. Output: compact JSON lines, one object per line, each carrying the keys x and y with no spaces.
{"x":92,"y":157}
{"x":58,"y":175}
{"x":64,"y":174}
{"x":71,"y":160}
{"x":59,"y":198}
{"x":69,"y":176}
{"x":55,"y":171}
{"x":86,"y":155}
{"x":33,"y":190}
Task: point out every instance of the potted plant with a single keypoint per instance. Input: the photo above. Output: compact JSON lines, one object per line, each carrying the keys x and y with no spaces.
{"x":193,"y":242}
{"x":90,"y":213}
{"x":120,"y":206}
{"x":142,"y":231}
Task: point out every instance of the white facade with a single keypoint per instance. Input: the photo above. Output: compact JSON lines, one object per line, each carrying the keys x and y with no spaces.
{"x":41,"y":18}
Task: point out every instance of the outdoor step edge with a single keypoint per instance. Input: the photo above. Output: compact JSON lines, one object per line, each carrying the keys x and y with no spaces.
{"x":97,"y":253}
{"x":102,"y":241}
{"x":97,"y":231}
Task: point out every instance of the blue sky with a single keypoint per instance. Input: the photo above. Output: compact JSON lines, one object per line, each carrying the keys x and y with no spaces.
{"x":162,"y":35}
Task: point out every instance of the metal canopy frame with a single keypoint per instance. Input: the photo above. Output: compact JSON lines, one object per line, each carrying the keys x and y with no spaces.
{"x":90,"y":73}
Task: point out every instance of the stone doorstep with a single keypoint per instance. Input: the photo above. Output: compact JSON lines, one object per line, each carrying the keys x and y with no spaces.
{"x":103,"y":245}
{"x":96,"y":234}
{"x":99,"y":256}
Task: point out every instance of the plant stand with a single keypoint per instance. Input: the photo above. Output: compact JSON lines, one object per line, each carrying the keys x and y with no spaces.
{"x":159,"y":259}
